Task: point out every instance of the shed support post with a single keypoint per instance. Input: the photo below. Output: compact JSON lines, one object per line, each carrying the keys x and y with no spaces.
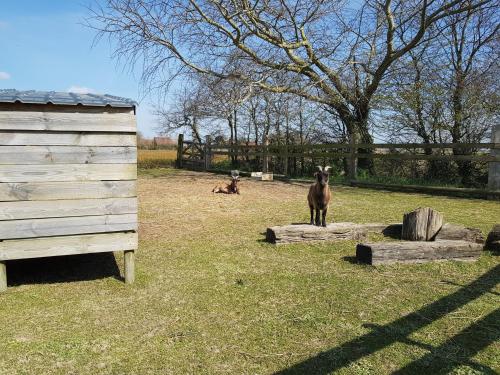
{"x":494,"y":166}
{"x":3,"y":276}
{"x":208,"y":152}
{"x":129,"y":256}
{"x":180,"y":146}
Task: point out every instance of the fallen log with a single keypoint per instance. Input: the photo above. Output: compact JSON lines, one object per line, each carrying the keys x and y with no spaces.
{"x":421,"y":224}
{"x":458,"y":232}
{"x":493,"y":240}
{"x":332,"y":232}
{"x":416,"y":251}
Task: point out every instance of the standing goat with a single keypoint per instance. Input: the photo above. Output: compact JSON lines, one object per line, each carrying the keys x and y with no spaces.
{"x":231,"y":188}
{"x":319,"y":196}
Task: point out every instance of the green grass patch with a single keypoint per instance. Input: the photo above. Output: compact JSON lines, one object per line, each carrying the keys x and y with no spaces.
{"x":212,"y":297}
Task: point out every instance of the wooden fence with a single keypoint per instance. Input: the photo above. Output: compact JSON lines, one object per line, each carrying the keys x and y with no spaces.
{"x":200,"y":156}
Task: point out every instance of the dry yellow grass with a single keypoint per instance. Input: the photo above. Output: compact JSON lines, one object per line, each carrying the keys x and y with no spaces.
{"x":211,"y":297}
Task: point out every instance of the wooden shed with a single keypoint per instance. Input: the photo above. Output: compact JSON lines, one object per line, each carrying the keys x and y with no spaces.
{"x":68,"y":171}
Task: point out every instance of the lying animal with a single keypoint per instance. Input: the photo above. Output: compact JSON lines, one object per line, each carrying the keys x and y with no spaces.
{"x":319,"y":196}
{"x":231,"y":188}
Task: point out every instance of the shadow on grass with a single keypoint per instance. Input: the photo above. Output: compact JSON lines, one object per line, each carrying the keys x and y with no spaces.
{"x":456,"y":351}
{"x":62,"y":269}
{"x":351,"y":259}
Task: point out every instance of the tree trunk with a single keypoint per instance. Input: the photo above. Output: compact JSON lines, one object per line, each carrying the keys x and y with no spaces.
{"x":417,"y":251}
{"x":493,"y":241}
{"x":332,"y":232}
{"x":421,"y":225}
{"x":458,"y":232}
{"x":357,"y":125}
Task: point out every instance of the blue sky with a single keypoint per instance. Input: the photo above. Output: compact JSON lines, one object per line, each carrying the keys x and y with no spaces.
{"x":44,"y":46}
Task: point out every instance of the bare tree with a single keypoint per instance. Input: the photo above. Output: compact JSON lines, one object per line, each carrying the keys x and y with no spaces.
{"x":445,"y":90}
{"x":183,"y":114}
{"x":318,"y":49}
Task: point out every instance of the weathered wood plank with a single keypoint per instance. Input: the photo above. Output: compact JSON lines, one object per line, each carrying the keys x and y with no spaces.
{"x":57,"y":121}
{"x":8,"y":138}
{"x":16,"y":229}
{"x":416,"y":251}
{"x":67,"y":172}
{"x":332,"y":232}
{"x":33,"y":191}
{"x":129,"y":269}
{"x":65,"y":208}
{"x":67,"y":155}
{"x":67,"y":245}
{"x":458,"y":232}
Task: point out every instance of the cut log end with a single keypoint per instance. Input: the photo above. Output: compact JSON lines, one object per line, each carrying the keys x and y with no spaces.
{"x":421,"y":225}
{"x":493,"y":240}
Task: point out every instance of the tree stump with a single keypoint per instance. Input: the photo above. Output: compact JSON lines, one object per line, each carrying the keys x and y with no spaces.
{"x":493,"y":240}
{"x":458,"y":232}
{"x":421,"y":225}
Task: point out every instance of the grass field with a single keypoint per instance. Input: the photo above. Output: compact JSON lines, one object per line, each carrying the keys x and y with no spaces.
{"x":211,"y":297}
{"x":156,"y":158}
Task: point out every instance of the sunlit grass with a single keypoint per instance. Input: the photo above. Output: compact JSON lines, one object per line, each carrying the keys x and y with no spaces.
{"x":212,"y":297}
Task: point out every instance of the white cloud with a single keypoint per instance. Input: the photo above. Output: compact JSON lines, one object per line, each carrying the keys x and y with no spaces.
{"x":4,"y":75}
{"x":81,"y":90}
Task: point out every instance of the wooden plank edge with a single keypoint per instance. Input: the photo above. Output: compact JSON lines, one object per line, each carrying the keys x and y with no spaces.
{"x":68,"y":245}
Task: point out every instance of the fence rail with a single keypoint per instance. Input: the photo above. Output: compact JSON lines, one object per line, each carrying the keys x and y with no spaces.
{"x":200,"y":155}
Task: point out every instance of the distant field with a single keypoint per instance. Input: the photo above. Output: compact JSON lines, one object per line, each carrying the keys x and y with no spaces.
{"x":163,"y":158}
{"x":156,"y":158}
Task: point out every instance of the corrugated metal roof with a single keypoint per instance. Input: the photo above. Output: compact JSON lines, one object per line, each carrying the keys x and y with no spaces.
{"x":63,"y":98}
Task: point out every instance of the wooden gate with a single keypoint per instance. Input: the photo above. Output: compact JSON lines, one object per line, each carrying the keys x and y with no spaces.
{"x":190,"y":154}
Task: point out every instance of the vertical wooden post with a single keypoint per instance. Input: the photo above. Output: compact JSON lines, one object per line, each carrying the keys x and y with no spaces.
{"x":129,"y":256}
{"x":207,"y":152}
{"x":180,"y":146}
{"x":494,"y":166}
{"x":265,"y":159}
{"x":3,"y":277}
{"x":285,"y":160}
{"x":353,"y":162}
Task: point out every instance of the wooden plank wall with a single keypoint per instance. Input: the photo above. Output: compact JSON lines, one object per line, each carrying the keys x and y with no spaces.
{"x":67,"y":180}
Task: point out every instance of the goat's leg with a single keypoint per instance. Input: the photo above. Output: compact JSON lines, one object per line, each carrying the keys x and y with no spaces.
{"x":311,"y":208}
{"x":323,"y":216}
{"x":318,"y":223}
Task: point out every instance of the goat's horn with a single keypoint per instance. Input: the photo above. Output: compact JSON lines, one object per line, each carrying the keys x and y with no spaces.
{"x":327,"y":168}
{"x":320,"y":168}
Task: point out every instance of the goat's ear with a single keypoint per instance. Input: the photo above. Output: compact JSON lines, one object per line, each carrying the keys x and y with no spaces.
{"x":320,"y":168}
{"x":327,"y":168}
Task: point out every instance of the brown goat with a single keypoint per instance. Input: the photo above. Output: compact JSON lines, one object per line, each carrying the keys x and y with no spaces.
{"x":231,"y":188}
{"x":319,"y":196}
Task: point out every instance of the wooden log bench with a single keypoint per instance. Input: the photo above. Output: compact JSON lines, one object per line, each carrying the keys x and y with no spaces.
{"x":332,"y":232}
{"x":493,"y":240}
{"x":458,"y":232}
{"x":417,"y":251}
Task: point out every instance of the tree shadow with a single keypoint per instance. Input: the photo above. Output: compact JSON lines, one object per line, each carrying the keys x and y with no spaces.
{"x":70,"y":268}
{"x":471,"y":340}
